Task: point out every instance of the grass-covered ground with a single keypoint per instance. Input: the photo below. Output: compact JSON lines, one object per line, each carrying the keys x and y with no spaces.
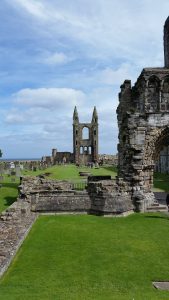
{"x":8,"y":191}
{"x":71,"y":172}
{"x":91,"y":258}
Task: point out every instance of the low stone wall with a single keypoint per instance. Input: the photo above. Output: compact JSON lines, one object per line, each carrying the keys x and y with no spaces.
{"x":15,"y":224}
{"x":107,"y":198}
{"x":101,"y":197}
{"x":60,"y":201}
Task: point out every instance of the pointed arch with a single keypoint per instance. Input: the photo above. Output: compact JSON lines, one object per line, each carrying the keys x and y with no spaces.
{"x":164,"y":105}
{"x":85,"y":133}
{"x":153,"y":93}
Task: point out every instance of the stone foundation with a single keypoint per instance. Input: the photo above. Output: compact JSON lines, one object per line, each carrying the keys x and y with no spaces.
{"x":104,"y":197}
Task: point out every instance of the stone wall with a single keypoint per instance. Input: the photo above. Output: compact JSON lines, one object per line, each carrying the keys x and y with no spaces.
{"x":143,"y":119}
{"x":107,"y":159}
{"x":15,"y":224}
{"x":103,"y":197}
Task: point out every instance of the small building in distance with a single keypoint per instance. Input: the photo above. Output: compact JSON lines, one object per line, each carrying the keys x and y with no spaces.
{"x":108,"y":159}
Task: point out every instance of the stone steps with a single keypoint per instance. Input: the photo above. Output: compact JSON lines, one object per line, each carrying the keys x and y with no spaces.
{"x":156,"y":207}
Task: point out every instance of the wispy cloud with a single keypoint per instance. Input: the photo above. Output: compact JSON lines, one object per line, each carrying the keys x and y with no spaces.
{"x":57,"y":54}
{"x":56,"y":58}
{"x":49,"y":97}
{"x":35,"y":8}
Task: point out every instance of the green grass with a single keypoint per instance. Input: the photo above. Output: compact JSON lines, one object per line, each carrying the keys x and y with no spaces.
{"x":91,"y":258}
{"x":71,"y":172}
{"x":161,"y":182}
{"x":8,"y":192}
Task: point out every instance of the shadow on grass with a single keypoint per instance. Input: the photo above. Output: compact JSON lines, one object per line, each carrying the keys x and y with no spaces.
{"x":110,"y":168}
{"x":10,"y":184}
{"x":165,"y":217}
{"x":9,"y":200}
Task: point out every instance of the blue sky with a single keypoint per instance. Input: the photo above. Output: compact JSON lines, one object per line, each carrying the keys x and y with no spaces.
{"x":57,"y":54}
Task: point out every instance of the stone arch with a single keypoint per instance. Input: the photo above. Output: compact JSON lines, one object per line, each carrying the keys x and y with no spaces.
{"x":139,"y":93}
{"x":164,"y":104}
{"x":161,"y":141}
{"x":154,"y":142}
{"x":153,"y":94}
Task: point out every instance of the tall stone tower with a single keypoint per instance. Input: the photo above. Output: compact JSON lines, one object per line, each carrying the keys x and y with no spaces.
{"x":166,"y":43}
{"x":85,"y":139}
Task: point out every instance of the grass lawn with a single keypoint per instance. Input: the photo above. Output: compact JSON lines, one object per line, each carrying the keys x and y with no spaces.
{"x":88,"y":257}
{"x":71,"y":172}
{"x":8,"y":192}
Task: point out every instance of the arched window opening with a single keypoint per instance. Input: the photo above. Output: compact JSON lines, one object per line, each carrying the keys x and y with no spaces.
{"x":89,"y":150}
{"x":164,"y":105}
{"x":85,"y":150}
{"x":162,"y":163}
{"x":161,"y":156}
{"x":139,"y":95}
{"x":85,"y":133}
{"x":81,"y":150}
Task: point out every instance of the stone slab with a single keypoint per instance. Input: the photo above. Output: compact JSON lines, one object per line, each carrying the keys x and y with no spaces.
{"x":161,"y":285}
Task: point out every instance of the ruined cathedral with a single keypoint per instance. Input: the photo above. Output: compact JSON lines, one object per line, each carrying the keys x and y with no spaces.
{"x":85,"y":147}
{"x":85,"y":143}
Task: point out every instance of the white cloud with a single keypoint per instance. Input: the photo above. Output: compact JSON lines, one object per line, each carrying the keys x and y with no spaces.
{"x":35,"y":8}
{"x":107,"y":28}
{"x":51,"y":98}
{"x":112,"y":40}
{"x":116,"y":77}
{"x":14,"y":118}
{"x":56,"y":59}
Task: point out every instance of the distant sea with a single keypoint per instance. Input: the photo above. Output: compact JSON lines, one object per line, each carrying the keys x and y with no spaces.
{"x":19,"y":159}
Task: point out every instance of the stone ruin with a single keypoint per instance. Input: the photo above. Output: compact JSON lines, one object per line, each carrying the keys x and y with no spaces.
{"x":85,"y":144}
{"x":98,"y":198}
{"x":143,"y":120}
{"x":85,"y":147}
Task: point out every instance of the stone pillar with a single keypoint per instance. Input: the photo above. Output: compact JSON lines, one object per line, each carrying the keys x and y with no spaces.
{"x":166,"y":43}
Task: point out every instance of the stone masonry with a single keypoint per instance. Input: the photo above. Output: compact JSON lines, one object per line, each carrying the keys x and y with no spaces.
{"x":85,"y":149}
{"x":103,"y":197}
{"x":143,"y":120}
{"x":15,"y":224}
